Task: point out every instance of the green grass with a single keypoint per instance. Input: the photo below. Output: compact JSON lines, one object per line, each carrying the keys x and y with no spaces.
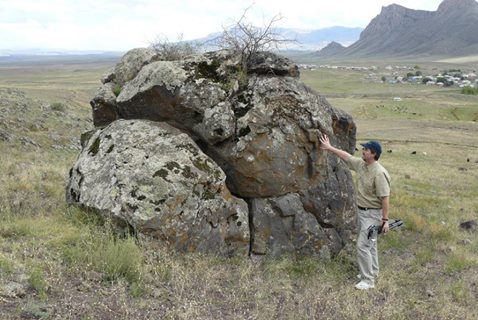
{"x":37,"y":281}
{"x":6,"y":266}
{"x":469,"y":90}
{"x":117,"y":90}
{"x":115,"y":258}
{"x":367,"y":100}
{"x":457,"y":262}
{"x":459,"y":292}
{"x":58,"y":106}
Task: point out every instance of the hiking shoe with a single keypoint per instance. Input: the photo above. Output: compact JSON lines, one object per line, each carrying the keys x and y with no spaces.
{"x":364,"y":285}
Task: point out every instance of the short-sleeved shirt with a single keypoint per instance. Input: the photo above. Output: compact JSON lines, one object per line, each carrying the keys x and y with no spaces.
{"x":373,"y":182}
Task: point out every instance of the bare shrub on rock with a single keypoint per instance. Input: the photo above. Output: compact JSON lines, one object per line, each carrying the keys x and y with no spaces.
{"x":172,"y":51}
{"x":245,"y":40}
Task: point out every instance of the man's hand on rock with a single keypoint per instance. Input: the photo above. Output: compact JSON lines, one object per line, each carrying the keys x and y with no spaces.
{"x":325,"y":142}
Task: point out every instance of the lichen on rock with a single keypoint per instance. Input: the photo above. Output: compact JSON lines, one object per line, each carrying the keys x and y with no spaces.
{"x":227,"y":133}
{"x":149,"y":181}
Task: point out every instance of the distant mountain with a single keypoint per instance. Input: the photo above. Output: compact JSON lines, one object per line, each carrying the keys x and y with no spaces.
{"x":319,"y":38}
{"x":308,"y":39}
{"x":398,"y":31}
{"x":305,"y":40}
{"x":332,"y":49}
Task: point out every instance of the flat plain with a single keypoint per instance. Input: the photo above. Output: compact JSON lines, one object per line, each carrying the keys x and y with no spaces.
{"x":58,"y":262}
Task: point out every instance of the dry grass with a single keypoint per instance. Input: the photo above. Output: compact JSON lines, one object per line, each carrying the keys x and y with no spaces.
{"x":72,"y":267}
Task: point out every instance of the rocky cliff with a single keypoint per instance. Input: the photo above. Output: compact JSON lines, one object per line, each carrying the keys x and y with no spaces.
{"x":398,"y":31}
{"x":204,"y":155}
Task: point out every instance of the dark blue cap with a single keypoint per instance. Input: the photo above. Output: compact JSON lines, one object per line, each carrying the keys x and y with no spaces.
{"x":373,"y":146}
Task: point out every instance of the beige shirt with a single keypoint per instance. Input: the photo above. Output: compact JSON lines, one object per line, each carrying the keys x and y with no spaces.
{"x":373,"y":182}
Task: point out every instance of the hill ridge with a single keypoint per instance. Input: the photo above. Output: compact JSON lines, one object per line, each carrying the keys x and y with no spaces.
{"x":399,"y":31}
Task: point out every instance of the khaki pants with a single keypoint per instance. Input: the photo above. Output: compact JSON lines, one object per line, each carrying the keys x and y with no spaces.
{"x":366,"y":248}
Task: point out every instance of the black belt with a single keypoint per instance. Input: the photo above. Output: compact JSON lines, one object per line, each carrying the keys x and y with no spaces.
{"x":365,"y":209}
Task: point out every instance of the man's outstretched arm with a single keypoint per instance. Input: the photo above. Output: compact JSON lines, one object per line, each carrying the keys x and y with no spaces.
{"x":325,"y":145}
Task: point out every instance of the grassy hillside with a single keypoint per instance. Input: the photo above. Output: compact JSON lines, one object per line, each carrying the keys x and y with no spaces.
{"x":57,"y":262}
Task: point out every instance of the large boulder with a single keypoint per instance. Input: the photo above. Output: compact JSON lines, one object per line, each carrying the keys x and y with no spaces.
{"x":259,"y":134}
{"x":104,"y":105}
{"x":131,"y":63}
{"x":261,"y":126}
{"x":276,"y":140}
{"x":153,"y":179}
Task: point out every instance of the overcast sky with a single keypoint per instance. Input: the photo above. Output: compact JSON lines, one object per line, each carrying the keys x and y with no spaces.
{"x":125,"y":24}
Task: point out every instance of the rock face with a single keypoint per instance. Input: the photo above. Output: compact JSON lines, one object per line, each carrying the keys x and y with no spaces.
{"x":104,"y":105}
{"x":397,"y":31}
{"x":259,"y":126}
{"x":152,"y":178}
{"x":281,"y":225}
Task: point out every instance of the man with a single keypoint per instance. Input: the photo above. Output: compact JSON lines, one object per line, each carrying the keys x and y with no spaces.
{"x":373,"y":192}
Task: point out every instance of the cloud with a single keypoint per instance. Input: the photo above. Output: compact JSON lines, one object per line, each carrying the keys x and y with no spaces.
{"x":123,"y":24}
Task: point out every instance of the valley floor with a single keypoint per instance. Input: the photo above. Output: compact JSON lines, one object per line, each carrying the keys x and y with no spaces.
{"x":58,"y":262}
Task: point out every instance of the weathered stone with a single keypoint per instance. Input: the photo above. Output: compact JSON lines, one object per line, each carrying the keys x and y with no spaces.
{"x":161,"y":92}
{"x":132,"y":62}
{"x":469,"y":225}
{"x":274,"y":141}
{"x":109,"y":76}
{"x":282,"y":226}
{"x":153,"y":94}
{"x":267,"y":63}
{"x":218,"y":123}
{"x":104,"y":105}
{"x":154,"y":179}
{"x":261,"y":125}
{"x":85,"y":137}
{"x":328,"y":202}
{"x":201,"y":94}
